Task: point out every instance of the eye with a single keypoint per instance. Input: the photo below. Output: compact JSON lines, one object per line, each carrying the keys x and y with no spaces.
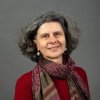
{"x":57,"y":34}
{"x":45,"y":36}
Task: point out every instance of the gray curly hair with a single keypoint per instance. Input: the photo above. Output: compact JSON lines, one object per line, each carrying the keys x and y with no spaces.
{"x":29,"y":32}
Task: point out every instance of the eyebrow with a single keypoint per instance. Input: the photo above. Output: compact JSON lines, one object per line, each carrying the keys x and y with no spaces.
{"x":52,"y":33}
{"x":43,"y":34}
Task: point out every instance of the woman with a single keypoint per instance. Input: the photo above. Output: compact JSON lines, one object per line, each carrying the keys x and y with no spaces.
{"x":49,"y":40}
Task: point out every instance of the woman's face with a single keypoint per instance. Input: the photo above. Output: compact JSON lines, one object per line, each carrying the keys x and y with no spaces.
{"x":50,"y":40}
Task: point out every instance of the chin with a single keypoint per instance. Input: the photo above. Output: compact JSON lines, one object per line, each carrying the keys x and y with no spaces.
{"x":54,"y":56}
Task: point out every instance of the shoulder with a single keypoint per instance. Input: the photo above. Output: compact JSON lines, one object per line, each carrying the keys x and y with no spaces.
{"x":24,"y":80}
{"x":82,"y":72}
{"x":25,"y":77}
{"x":23,"y":87}
{"x":80,"y":69}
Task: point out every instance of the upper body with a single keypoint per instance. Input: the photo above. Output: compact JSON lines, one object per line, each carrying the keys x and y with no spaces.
{"x":49,"y":40}
{"x":23,"y":89}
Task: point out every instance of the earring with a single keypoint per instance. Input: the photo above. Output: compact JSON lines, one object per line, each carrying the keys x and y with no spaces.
{"x":38,"y":53}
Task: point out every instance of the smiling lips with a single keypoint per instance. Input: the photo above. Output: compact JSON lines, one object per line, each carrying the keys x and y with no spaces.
{"x":55,"y":48}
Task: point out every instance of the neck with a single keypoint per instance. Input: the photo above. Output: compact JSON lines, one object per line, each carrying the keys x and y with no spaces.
{"x":57,"y":60}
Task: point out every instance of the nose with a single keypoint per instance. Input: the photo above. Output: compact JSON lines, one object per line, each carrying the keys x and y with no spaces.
{"x":52,"y":39}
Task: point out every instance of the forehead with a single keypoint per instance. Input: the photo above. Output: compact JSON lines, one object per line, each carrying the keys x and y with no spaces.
{"x":49,"y":27}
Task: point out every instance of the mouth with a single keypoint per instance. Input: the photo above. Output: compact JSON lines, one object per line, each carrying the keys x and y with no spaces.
{"x":55,"y":48}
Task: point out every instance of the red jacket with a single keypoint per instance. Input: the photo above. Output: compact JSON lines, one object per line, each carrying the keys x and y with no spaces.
{"x":23,"y":89}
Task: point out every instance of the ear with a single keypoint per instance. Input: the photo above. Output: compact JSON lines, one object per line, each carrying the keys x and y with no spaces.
{"x":35,"y":42}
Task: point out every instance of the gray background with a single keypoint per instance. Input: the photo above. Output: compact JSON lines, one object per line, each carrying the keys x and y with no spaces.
{"x":15,"y":14}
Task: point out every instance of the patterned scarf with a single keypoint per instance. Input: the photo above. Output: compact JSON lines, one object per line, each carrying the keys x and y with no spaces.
{"x":44,"y":88}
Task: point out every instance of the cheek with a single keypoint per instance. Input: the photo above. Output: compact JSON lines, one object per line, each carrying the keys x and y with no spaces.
{"x":41,"y":46}
{"x":43,"y":50}
{"x":63,"y":42}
